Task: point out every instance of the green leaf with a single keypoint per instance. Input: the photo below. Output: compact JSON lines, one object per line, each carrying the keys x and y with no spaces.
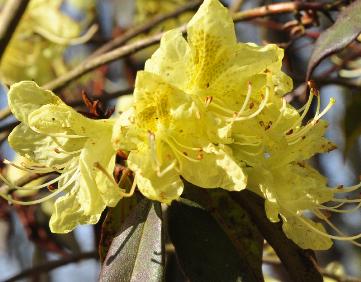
{"x":137,"y":252}
{"x":113,"y":222}
{"x":204,"y":250}
{"x":240,"y":229}
{"x":352,"y":121}
{"x":235,"y":222}
{"x":346,"y":28}
{"x":301,"y":265}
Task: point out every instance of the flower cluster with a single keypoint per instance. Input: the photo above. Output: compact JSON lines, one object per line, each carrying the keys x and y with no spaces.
{"x":206,"y":109}
{"x":36,"y":49}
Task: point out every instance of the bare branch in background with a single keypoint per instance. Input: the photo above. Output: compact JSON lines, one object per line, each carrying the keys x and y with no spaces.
{"x":271,"y":260}
{"x":9,"y":19}
{"x":51,"y":265}
{"x":235,"y":5}
{"x":143,"y":28}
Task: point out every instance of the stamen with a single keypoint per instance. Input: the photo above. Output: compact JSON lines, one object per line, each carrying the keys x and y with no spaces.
{"x":31,"y":168}
{"x":246,"y":100}
{"x":248,"y":143}
{"x":347,"y":189}
{"x":184,"y":146}
{"x":111,"y":179}
{"x":296,"y":137}
{"x":260,"y":151}
{"x":64,"y":41}
{"x":36,"y":187}
{"x":334,"y":227}
{"x":283,"y":108}
{"x":300,"y":119}
{"x":340,"y":211}
{"x":208,"y":100}
{"x":219,"y":107}
{"x":153,"y":149}
{"x":62,"y":135}
{"x":345,"y":238}
{"x":174,"y":148}
{"x":259,"y":110}
{"x":346,"y":200}
{"x":167,"y":169}
{"x":41,"y":200}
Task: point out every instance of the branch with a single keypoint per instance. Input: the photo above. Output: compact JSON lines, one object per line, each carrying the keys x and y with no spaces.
{"x":143,"y":28}
{"x":9,"y":19}
{"x":337,"y":277}
{"x":51,"y":265}
{"x":300,"y":264}
{"x":103,"y":59}
{"x":235,"y":5}
{"x":281,"y":8}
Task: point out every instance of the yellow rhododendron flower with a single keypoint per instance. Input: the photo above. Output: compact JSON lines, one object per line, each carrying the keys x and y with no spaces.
{"x":55,"y":138}
{"x":168,"y":138}
{"x":229,"y":94}
{"x":189,"y":91}
{"x":36,"y":49}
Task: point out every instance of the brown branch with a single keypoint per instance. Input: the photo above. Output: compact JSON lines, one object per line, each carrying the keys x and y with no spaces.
{"x":337,"y":277}
{"x":281,"y":8}
{"x":235,"y":5}
{"x":51,"y":265}
{"x":143,"y":28}
{"x":9,"y":19}
{"x":103,"y":59}
{"x":4,"y":113}
{"x":300,"y":264}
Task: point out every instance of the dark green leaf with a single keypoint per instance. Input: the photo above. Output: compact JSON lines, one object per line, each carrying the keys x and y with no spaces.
{"x":113,"y":222}
{"x":301,"y":265}
{"x":204,"y":251}
{"x":235,"y":222}
{"x":240,"y":229}
{"x":137,"y":253}
{"x":346,"y":28}
{"x":352,"y":121}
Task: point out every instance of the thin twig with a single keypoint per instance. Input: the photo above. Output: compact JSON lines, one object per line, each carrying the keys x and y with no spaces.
{"x":4,"y":113}
{"x":272,"y":260}
{"x":51,"y":265}
{"x":235,"y":6}
{"x":143,"y":28}
{"x":281,"y":8}
{"x":103,"y":59}
{"x":9,"y":19}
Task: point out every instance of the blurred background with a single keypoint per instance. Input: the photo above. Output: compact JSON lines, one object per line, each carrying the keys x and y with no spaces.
{"x":25,"y":240}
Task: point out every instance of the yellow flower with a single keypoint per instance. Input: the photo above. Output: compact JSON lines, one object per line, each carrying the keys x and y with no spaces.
{"x":36,"y":49}
{"x":185,"y":105}
{"x":55,"y":138}
{"x":274,"y":145}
